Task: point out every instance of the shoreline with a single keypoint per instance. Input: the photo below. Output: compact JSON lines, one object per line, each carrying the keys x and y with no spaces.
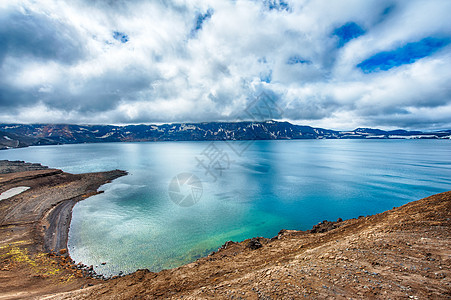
{"x":36,"y":222}
{"x":403,"y":252}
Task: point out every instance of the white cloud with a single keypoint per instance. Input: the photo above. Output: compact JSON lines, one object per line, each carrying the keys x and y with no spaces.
{"x":163,"y":73}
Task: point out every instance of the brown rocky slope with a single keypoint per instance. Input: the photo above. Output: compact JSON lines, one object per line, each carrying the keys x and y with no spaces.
{"x":35,"y":222}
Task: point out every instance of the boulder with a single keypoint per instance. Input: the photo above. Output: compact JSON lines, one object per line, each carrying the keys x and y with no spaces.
{"x":254,"y":244}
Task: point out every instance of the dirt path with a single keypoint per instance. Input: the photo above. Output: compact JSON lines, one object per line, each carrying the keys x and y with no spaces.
{"x":58,"y":223}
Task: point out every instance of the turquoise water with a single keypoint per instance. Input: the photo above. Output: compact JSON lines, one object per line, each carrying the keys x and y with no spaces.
{"x":271,"y":185}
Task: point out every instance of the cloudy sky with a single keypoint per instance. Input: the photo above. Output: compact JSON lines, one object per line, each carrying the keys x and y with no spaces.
{"x":334,"y":64}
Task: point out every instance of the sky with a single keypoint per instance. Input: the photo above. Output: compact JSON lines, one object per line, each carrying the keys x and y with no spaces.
{"x":336,"y":64}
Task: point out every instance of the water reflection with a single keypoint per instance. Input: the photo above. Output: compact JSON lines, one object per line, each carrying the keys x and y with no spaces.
{"x":272,"y":185}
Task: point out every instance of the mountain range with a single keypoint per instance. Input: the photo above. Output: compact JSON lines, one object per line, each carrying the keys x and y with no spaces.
{"x":23,"y":135}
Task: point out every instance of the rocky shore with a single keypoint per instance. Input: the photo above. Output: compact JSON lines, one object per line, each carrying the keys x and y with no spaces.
{"x":404,"y":253}
{"x":34,"y":228}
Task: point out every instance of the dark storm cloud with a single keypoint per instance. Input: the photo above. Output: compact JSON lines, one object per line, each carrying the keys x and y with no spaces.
{"x":310,"y":108}
{"x":12,"y":99}
{"x":28,"y":37}
{"x":407,"y":120}
{"x":109,"y":91}
{"x":31,"y":34}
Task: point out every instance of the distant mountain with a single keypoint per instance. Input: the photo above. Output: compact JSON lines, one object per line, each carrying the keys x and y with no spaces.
{"x":12,"y":140}
{"x":23,"y":135}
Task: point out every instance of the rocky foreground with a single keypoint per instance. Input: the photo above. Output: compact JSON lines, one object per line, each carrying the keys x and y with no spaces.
{"x":401,"y":253}
{"x":34,"y":227}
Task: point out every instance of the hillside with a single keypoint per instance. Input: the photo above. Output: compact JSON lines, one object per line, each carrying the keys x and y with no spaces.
{"x":22,"y":135}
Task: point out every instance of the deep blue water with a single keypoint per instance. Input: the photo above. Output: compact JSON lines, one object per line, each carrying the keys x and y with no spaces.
{"x":270,"y":185}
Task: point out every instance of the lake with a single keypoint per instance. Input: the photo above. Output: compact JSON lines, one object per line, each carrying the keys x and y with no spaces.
{"x":237,"y":190}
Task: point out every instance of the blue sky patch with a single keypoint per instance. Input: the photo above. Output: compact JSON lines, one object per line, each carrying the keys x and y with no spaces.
{"x":200,"y":20}
{"x":120,"y":36}
{"x":407,"y":54}
{"x":297,"y":60}
{"x":266,"y":77}
{"x":277,"y":5}
{"x":348,"y":32}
